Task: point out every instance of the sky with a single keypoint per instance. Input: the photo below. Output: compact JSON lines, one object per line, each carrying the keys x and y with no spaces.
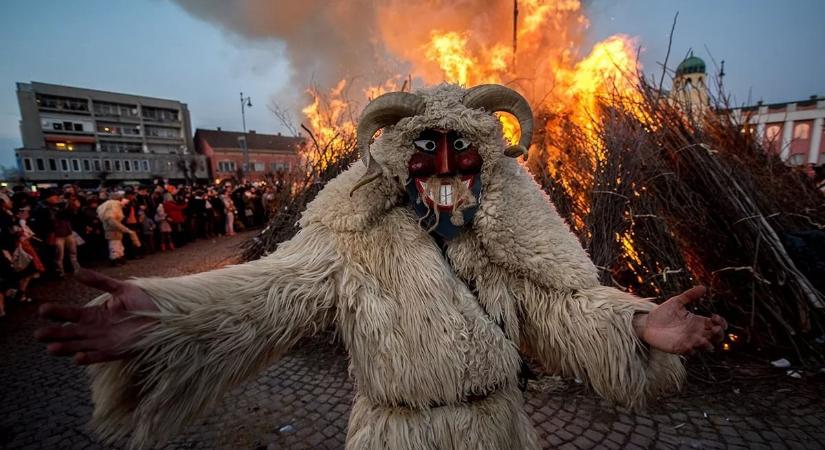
{"x":772,"y":52}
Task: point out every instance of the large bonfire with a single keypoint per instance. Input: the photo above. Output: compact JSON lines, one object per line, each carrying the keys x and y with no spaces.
{"x":662,"y":198}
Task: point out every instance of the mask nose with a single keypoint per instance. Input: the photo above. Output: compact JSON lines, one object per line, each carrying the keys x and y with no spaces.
{"x":444,"y":158}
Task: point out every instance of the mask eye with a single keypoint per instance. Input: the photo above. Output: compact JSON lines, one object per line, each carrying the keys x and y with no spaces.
{"x":425,"y":145}
{"x":461,"y":144}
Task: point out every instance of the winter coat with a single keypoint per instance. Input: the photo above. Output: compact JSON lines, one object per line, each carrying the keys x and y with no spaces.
{"x":175,"y":211}
{"x":110,"y":214}
{"x":433,"y":337}
{"x":162,"y":220}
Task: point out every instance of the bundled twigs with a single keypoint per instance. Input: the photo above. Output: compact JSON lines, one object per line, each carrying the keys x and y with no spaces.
{"x":667,"y":198}
{"x":662,"y":198}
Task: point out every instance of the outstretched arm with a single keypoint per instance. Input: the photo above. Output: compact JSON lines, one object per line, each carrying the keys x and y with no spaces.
{"x":175,"y":345}
{"x":625,"y":347}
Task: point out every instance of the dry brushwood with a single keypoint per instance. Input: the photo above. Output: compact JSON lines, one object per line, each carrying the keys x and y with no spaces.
{"x":664,"y":200}
{"x":683,"y":197}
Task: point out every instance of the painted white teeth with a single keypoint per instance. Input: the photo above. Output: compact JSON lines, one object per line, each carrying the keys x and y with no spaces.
{"x":445,"y":195}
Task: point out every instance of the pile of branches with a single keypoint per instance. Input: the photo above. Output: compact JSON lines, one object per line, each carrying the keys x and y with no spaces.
{"x":669,"y":199}
{"x":321,"y":162}
{"x":674,"y":198}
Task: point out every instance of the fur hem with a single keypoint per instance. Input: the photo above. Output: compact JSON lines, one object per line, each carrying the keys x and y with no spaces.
{"x":495,"y":423}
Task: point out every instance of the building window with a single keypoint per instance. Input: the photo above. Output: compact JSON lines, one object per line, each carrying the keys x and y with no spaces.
{"x":76,"y":165}
{"x":65,"y":103}
{"x":797,"y":159}
{"x":96,"y":163}
{"x":257,"y":166}
{"x":127,"y":165}
{"x":27,"y":164}
{"x":120,"y":147}
{"x":57,"y":126}
{"x":145,"y":165}
{"x":107,"y":165}
{"x":162,"y":132}
{"x":87,"y":165}
{"x":226,"y":166}
{"x":117,"y":165}
{"x":772,"y":132}
{"x":52,"y":164}
{"x":64,"y":164}
{"x":802,"y":131}
{"x":40,"y":164}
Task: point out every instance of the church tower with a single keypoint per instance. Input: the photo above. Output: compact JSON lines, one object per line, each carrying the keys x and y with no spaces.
{"x":690,"y":90}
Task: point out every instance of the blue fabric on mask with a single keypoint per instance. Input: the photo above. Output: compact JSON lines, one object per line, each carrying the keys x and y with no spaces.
{"x":445,"y":228}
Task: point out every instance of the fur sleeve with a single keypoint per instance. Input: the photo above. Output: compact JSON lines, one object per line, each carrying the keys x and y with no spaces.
{"x":572,"y":324}
{"x":214,"y":330}
{"x":589,"y":334}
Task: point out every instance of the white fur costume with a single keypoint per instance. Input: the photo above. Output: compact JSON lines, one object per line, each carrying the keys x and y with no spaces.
{"x":416,"y":335}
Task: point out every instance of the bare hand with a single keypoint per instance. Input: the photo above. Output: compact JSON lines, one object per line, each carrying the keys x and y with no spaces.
{"x":671,"y":328}
{"x":96,"y":333}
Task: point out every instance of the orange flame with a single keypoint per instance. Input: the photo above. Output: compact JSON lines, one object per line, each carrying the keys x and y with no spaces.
{"x":473,"y":45}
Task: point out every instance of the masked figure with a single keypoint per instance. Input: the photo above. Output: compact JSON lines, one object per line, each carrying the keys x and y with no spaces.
{"x":436,"y":261}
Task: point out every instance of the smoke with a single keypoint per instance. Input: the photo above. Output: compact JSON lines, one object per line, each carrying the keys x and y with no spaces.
{"x":324,"y":41}
{"x":367,"y":42}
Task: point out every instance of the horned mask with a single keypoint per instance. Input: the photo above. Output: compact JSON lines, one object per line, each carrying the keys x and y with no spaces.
{"x":441,"y":146}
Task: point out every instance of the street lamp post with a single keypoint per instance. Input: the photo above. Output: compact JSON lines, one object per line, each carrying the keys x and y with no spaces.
{"x":246,"y":102}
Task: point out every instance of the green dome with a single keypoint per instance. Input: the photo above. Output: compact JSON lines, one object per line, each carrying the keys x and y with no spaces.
{"x":691,"y":64}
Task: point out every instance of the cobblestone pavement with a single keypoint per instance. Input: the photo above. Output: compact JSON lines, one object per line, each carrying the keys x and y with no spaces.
{"x":303,"y":401}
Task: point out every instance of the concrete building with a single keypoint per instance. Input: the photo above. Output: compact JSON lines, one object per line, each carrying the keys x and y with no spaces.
{"x":268,"y":153}
{"x":794,"y":130}
{"x":91,"y":137}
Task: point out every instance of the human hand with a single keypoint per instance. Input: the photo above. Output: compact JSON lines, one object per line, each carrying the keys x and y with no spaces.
{"x":671,"y":328}
{"x":99,"y":333}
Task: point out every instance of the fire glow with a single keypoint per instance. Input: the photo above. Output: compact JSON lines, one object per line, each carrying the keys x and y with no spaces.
{"x":475,"y":44}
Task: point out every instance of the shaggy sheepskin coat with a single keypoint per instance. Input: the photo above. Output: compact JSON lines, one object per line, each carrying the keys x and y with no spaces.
{"x":419,"y":340}
{"x":110,"y":214}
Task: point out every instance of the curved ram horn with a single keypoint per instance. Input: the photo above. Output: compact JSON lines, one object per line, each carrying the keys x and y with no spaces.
{"x":385,"y":110}
{"x":495,"y":98}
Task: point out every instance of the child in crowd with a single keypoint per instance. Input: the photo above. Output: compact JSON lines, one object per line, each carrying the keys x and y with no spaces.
{"x":162,"y":221}
{"x":148,"y":227}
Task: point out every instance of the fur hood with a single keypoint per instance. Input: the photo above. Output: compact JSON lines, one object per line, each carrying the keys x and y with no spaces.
{"x":516,"y":224}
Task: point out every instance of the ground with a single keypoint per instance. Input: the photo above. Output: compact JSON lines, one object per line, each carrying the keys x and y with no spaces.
{"x":303,"y":401}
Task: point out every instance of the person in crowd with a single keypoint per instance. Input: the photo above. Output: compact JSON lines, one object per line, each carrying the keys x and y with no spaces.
{"x":65,"y":243}
{"x":92,"y":231}
{"x":130,"y":219}
{"x":195,"y":214}
{"x":43,"y":221}
{"x":174,"y":207}
{"x":110,"y":213}
{"x":218,"y":211}
{"x":229,"y":211}
{"x":16,"y":267}
{"x":26,"y":236}
{"x":148,"y":229}
{"x":165,"y":228}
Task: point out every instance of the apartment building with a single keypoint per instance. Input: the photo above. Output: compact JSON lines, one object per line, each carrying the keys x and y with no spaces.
{"x":89,"y":137}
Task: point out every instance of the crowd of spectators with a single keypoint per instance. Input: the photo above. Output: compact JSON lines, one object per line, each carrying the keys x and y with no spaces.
{"x":48,"y":233}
